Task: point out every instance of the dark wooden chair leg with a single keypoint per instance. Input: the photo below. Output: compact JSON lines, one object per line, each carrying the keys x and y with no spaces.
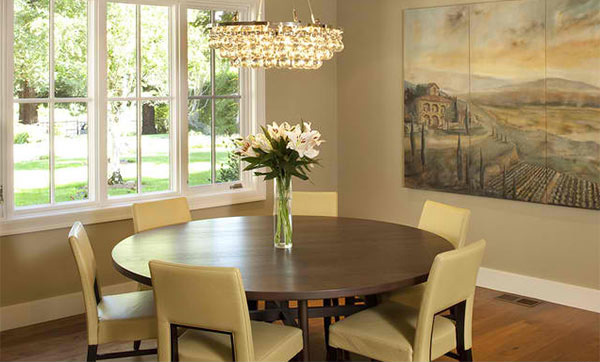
{"x":136,"y":345}
{"x":459,"y":312}
{"x":174,"y":344}
{"x":339,"y":354}
{"x":92,"y":352}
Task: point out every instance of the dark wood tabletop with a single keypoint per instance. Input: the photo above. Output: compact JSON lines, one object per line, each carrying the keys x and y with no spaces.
{"x":331,"y":257}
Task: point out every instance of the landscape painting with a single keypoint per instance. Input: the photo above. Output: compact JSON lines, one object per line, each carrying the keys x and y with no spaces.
{"x":502,"y":100}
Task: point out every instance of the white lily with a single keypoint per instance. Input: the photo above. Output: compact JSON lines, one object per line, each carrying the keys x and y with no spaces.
{"x":245,"y":147}
{"x":305,"y":143}
{"x":278,"y":131}
{"x":261,"y":141}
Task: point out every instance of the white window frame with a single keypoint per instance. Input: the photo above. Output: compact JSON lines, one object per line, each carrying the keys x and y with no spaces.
{"x":99,"y":207}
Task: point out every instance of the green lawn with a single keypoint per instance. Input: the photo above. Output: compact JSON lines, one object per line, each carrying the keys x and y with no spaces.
{"x":43,"y":164}
{"x":70,"y":192}
{"x":78,"y":190}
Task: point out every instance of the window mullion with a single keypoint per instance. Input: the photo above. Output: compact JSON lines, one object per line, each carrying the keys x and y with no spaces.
{"x":5,"y":27}
{"x":182,"y":98}
{"x":91,"y":119}
{"x":100,"y":90}
{"x":8,"y":146}
{"x":213,"y":138}
{"x":55,"y":99}
{"x":173,"y":130}
{"x":51,"y":102}
{"x":138,"y":94}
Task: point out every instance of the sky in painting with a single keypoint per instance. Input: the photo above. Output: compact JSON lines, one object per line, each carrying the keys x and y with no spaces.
{"x":437,"y":47}
{"x":508,"y":41}
{"x":504,"y":42}
{"x":573,"y":31}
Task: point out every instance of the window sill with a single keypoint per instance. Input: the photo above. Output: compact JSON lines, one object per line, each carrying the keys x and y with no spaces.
{"x":58,"y":219}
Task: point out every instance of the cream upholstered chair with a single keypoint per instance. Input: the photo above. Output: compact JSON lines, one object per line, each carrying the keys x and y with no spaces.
{"x":155,"y":214}
{"x":209,"y":304}
{"x":451,"y":223}
{"x":314,"y":203}
{"x":113,"y":318}
{"x":395,"y":332}
{"x":447,"y":221}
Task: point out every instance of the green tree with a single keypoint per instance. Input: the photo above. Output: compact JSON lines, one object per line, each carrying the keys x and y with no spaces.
{"x":481,"y":170}
{"x":459,"y":162}
{"x":31,"y":52}
{"x":412,"y":140}
{"x":70,"y":46}
{"x":31,"y":64}
{"x":423,"y":146}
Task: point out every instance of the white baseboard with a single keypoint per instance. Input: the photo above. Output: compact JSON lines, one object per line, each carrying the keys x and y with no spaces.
{"x":43,"y":310}
{"x":543,"y":289}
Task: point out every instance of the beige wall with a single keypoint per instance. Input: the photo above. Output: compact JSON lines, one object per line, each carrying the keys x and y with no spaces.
{"x":40,"y":265}
{"x":556,"y":243}
{"x":307,"y":95}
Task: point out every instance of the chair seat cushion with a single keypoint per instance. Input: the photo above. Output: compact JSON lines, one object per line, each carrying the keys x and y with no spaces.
{"x":387,"y":332}
{"x":409,"y":296}
{"x":126,"y":317}
{"x":272,"y":342}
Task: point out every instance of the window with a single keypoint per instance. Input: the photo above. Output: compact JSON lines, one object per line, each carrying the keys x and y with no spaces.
{"x":113,"y":101}
{"x":139,"y":102}
{"x":50,"y":113}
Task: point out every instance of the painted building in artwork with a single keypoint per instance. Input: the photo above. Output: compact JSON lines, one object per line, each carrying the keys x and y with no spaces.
{"x":432,"y":108}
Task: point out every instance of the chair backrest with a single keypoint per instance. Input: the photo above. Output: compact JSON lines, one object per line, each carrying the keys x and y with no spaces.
{"x":210,"y":298}
{"x":86,"y":264}
{"x":451,"y":281}
{"x":447,"y":221}
{"x":155,"y":214}
{"x":315,"y":203}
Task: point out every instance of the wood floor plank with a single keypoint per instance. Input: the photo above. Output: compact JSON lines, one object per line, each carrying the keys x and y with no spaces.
{"x":501,"y":332}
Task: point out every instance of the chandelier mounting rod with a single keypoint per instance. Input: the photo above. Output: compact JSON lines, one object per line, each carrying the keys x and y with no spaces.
{"x":312,"y":15}
{"x":259,"y":11}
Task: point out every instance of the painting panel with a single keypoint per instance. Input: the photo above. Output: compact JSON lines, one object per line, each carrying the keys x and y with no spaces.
{"x":436,"y":92}
{"x":508,"y":131}
{"x":573,"y":102}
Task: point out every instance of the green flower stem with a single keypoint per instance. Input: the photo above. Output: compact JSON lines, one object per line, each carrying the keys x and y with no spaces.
{"x":283,"y":217}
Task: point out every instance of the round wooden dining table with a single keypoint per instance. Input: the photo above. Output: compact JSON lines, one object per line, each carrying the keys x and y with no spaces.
{"x":331,"y":257}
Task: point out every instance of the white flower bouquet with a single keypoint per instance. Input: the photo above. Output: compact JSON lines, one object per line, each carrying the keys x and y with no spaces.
{"x":284,"y":151}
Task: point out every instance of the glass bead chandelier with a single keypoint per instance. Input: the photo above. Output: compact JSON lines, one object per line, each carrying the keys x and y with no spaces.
{"x":284,"y":45}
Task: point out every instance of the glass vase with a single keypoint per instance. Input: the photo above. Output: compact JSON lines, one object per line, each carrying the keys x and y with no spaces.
{"x":282,"y":213}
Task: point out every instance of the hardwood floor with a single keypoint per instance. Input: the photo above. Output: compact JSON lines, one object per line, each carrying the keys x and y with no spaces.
{"x":502,"y":332}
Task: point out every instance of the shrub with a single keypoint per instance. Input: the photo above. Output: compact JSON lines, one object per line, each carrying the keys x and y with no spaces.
{"x":21,"y":138}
